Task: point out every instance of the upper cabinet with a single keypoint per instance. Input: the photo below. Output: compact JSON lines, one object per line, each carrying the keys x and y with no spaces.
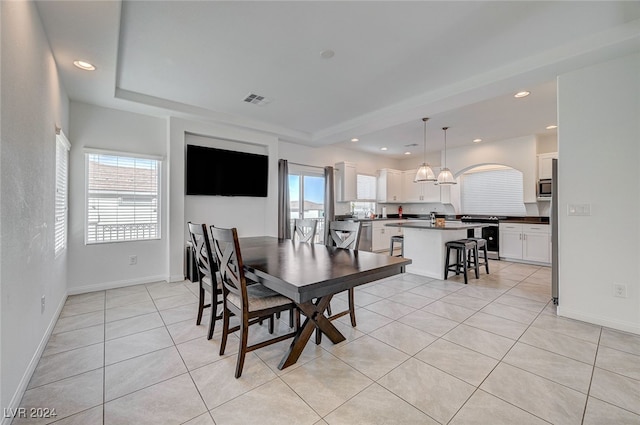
{"x":418,"y":192}
{"x":346,"y":181}
{"x":389,"y":185}
{"x":544,"y":164}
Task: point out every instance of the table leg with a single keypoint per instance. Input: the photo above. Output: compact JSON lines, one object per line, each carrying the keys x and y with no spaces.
{"x":315,"y":319}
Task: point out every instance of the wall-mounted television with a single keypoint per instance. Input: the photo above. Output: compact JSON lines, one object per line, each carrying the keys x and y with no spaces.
{"x":220,"y":172}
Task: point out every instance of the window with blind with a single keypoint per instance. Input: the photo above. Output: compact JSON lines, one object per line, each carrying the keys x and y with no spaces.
{"x":62,"y":194}
{"x":495,"y":191}
{"x":366,"y":195}
{"x":122,"y":198}
{"x":366,"y":187}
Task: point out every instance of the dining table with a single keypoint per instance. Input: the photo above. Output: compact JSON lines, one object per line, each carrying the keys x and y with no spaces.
{"x":310,"y":275}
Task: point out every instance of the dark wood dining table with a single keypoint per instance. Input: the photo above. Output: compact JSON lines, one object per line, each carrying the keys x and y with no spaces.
{"x":310,"y":274}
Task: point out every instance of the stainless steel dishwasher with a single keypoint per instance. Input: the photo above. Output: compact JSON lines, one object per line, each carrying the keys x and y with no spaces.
{"x":366,"y":236}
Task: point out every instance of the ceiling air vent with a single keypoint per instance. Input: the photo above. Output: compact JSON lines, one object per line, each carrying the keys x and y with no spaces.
{"x":257,"y":99}
{"x":410,"y":145}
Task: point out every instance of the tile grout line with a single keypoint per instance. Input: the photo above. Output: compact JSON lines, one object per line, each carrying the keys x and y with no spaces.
{"x":593,"y":369}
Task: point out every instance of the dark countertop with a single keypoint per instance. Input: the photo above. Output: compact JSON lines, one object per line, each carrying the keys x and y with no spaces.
{"x":526,"y":220}
{"x":448,"y":217}
{"x":423,"y":224}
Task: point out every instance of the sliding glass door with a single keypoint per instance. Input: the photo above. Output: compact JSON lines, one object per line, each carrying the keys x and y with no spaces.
{"x":306,"y":199}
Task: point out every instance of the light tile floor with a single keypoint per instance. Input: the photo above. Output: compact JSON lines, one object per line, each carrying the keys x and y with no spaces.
{"x":425,"y":351}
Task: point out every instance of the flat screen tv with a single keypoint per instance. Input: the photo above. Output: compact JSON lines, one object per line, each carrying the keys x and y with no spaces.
{"x":220,"y":172}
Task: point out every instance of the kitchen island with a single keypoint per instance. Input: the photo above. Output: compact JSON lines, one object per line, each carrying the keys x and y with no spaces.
{"x":424,"y":244}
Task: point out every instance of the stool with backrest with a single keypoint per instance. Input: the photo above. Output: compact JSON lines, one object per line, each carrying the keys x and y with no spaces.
{"x":250,"y":303}
{"x":343,"y":234}
{"x":463,"y":248}
{"x":208,"y":277}
{"x":397,"y":239}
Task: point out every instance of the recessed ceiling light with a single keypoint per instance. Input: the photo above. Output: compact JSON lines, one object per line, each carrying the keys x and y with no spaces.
{"x":355,"y":139}
{"x":84,"y":65}
{"x":520,"y":94}
{"x":407,"y":153}
{"x":383,"y":149}
{"x":551,"y":127}
{"x":477,"y":140}
{"x":327,"y":54}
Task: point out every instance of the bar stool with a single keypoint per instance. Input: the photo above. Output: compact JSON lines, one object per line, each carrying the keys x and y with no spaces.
{"x":397,"y":239}
{"x":464,"y":248}
{"x":482,"y":246}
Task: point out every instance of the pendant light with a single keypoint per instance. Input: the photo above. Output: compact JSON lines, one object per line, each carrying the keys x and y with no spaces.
{"x":425,"y":173}
{"x":445,"y":176}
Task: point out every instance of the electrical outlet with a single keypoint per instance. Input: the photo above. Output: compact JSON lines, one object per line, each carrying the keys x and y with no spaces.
{"x":620,"y":290}
{"x":42,"y":304}
{"x":133,"y":260}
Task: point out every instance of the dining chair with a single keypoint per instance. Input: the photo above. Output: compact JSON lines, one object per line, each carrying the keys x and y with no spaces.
{"x":304,"y":230}
{"x":343,"y":234}
{"x":207,"y":270}
{"x":250,"y":303}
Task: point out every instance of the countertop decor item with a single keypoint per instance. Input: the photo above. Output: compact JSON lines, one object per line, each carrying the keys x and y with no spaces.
{"x":425,"y":173}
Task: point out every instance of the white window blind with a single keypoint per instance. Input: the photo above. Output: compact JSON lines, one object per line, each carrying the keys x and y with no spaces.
{"x":493,"y":192}
{"x":365,"y":187}
{"x":62,"y":193}
{"x":122,"y":198}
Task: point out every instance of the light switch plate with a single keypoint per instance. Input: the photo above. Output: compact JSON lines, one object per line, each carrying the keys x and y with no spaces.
{"x":579,"y":209}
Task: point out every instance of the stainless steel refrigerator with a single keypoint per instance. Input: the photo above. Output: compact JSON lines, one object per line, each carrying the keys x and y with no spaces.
{"x":554,"y":230}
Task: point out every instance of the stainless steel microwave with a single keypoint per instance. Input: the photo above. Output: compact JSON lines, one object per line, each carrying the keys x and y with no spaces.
{"x":544,"y":188}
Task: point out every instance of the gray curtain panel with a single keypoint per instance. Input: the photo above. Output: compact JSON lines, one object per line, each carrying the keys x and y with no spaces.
{"x":284,"y":216}
{"x":329,"y":202}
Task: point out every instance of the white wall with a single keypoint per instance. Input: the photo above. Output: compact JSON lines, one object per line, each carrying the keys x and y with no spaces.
{"x":100,"y":266}
{"x":251,"y":216}
{"x":599,"y":150}
{"x":33,"y":103}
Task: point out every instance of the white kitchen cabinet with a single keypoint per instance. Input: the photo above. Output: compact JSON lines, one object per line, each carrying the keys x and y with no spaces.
{"x":526,"y":242}
{"x":418,"y":192}
{"x":389,"y":185}
{"x":346,"y":181}
{"x":382,"y":235}
{"x":544,"y":164}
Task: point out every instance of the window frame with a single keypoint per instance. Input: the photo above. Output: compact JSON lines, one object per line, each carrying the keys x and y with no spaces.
{"x":61,"y":194}
{"x":130,"y":156}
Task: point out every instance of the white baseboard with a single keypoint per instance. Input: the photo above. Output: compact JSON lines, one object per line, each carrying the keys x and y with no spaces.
{"x":26,"y":377}
{"x":116,"y":284}
{"x":177,"y":278}
{"x":602,"y":321}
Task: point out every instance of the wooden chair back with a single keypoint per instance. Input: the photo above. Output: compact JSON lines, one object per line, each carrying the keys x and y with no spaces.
{"x":345,"y":234}
{"x":226,"y":251}
{"x":304,"y":229}
{"x":202,"y":252}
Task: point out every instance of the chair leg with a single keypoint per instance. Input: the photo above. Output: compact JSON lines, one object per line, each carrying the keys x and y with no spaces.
{"x":486,"y":260}
{"x":200,"y":306}
{"x":446,"y":264}
{"x":244,"y":336}
{"x":352,"y":307}
{"x":475,"y":259}
{"x":212,"y":321}
{"x":225,"y":330}
{"x":271,"y":324}
{"x":464,"y":264}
